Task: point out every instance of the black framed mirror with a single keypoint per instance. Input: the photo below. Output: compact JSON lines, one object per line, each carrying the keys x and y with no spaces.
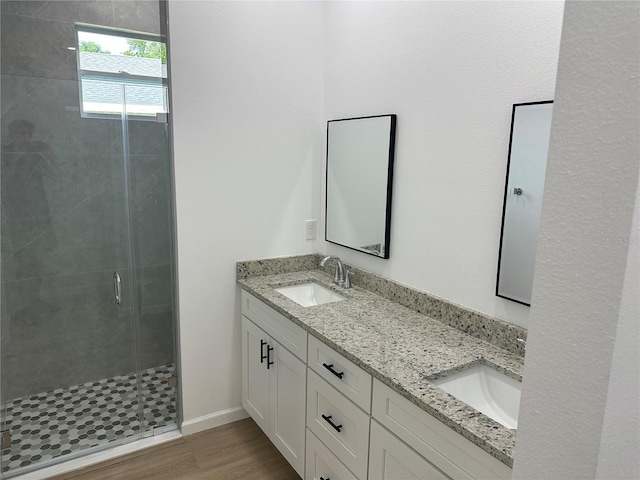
{"x":526,"y":168}
{"x":360,"y":157}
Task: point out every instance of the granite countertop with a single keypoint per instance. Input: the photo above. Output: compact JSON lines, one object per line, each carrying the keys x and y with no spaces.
{"x":400,"y":347}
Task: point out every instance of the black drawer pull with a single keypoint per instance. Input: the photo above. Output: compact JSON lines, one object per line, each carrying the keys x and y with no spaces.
{"x":322,"y":478}
{"x":269,"y":350}
{"x":330,"y":368}
{"x":328,"y":420}
{"x":262,"y":355}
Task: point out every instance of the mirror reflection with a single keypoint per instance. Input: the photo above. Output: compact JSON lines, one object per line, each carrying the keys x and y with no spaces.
{"x":526,"y":167}
{"x":359,"y":180}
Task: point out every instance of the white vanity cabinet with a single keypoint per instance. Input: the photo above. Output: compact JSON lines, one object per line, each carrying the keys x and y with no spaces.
{"x":274,"y":379}
{"x":332,"y":421}
{"x":338,"y":410}
{"x":418,"y":435}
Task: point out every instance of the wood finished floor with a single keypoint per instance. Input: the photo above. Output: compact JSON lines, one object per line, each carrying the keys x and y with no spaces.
{"x":237,"y":450}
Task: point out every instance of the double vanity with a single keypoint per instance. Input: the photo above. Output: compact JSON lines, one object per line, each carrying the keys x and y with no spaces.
{"x":349,"y":384}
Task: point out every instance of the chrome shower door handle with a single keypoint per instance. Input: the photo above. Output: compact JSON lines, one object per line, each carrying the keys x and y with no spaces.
{"x":117,"y":287}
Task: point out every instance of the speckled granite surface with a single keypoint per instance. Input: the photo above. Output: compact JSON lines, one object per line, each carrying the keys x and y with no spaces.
{"x":402,"y":348}
{"x":272,"y":266}
{"x":489,"y":329}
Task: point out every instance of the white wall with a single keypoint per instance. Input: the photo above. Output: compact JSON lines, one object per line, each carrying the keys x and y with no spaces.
{"x":579,"y":413}
{"x":621,"y":424}
{"x":451,"y":72}
{"x":247,"y":84}
{"x":253,"y":84}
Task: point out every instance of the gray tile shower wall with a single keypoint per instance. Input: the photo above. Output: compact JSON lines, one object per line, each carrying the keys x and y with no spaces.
{"x":64,"y":231}
{"x":61,"y":328}
{"x":489,"y":329}
{"x":35,"y":34}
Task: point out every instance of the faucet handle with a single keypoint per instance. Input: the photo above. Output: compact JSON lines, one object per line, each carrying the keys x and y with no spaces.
{"x":347,"y":275}
{"x":336,"y":276}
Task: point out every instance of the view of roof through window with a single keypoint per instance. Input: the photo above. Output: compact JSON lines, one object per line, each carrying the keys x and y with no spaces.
{"x":120,"y":73}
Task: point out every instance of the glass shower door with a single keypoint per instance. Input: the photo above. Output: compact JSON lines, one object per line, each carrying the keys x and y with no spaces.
{"x":69,"y":361}
{"x":86,"y":213}
{"x":148,"y":180}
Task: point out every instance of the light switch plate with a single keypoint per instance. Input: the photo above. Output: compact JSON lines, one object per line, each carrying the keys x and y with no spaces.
{"x":310,"y":227}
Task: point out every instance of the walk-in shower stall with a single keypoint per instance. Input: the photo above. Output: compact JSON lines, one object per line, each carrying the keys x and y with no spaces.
{"x":87,"y":358}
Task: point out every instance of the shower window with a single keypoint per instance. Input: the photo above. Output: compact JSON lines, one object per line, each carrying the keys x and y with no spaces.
{"x":121,"y":73}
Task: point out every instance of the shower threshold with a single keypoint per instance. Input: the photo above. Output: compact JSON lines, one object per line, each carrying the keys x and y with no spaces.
{"x":50,"y":425}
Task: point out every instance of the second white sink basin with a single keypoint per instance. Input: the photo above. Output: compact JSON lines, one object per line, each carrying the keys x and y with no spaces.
{"x":309,"y":294}
{"x":491,"y":392}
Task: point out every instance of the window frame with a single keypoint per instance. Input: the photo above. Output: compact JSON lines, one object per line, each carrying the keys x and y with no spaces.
{"x":120,"y":78}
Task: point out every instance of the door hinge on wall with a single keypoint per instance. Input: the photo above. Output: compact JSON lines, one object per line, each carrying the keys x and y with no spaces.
{"x":5,"y":439}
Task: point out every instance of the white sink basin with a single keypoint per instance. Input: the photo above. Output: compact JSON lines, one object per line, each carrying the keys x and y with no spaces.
{"x":488,"y":391}
{"x":310,"y":294}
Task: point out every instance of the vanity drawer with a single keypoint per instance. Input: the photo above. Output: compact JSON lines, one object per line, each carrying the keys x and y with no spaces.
{"x":322,"y":464}
{"x":343,"y":374}
{"x":456,"y":456}
{"x":349,"y":439}
{"x":276,"y":325}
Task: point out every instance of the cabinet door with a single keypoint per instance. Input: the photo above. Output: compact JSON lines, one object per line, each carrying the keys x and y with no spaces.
{"x":287,"y":405}
{"x":391,"y":459}
{"x":255,"y":376}
{"x":447,"y":450}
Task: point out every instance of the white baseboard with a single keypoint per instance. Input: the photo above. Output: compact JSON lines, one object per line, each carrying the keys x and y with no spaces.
{"x":199,"y":424}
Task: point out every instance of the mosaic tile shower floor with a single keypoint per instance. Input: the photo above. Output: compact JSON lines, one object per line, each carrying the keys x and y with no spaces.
{"x":67,"y":420}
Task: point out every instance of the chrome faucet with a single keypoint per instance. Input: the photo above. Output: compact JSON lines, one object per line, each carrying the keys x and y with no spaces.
{"x":338,"y":278}
{"x":347,"y":276}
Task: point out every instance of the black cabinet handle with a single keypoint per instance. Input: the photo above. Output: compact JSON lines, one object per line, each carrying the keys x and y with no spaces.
{"x":269,"y":350}
{"x":322,"y":478}
{"x":262,"y":355}
{"x":328,"y":420}
{"x":330,"y":368}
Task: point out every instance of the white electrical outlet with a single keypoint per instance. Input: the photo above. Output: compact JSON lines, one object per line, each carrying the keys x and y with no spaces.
{"x":310,"y":229}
